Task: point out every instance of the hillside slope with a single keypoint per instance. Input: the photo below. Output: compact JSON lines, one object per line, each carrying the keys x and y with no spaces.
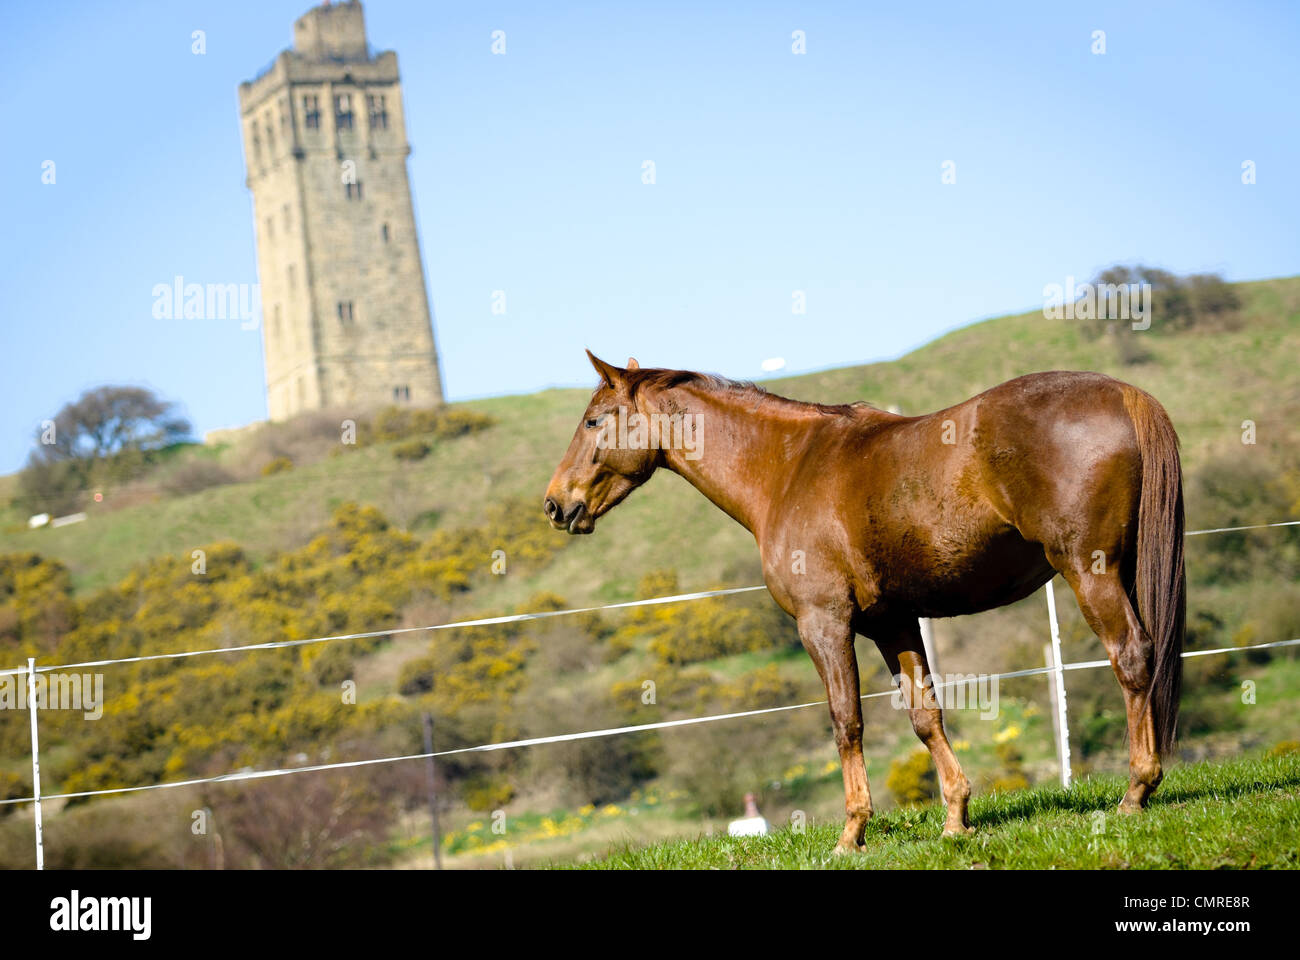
{"x":347,"y":570}
{"x":1210,"y":383}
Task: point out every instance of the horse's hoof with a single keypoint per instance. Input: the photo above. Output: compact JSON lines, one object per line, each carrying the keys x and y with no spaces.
{"x":844,"y":849}
{"x":958,"y":831}
{"x":1127,"y":806}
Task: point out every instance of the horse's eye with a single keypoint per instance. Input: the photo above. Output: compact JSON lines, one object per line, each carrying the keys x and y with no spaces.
{"x":594,"y":421}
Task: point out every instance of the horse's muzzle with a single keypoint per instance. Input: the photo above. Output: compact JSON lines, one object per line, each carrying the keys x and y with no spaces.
{"x":577,"y":519}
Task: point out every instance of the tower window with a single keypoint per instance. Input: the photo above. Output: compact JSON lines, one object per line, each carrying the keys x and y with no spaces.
{"x":346,"y":313}
{"x":256,"y":141}
{"x":378,"y":112}
{"x":401,"y":393}
{"x":384,"y":233}
{"x":286,"y":218}
{"x":343,"y":111}
{"x":353,"y":190}
{"x":311,"y":111}
{"x":270,"y":138}
{"x":292,"y":275}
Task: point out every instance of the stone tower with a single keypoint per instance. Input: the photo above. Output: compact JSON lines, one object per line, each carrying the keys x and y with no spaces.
{"x":346,"y":321}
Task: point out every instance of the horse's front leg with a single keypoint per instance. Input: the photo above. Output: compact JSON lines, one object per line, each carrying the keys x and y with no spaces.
{"x":829,"y":641}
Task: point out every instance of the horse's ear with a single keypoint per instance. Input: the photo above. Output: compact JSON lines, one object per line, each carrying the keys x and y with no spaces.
{"x":611,"y":374}
{"x":632,"y":364}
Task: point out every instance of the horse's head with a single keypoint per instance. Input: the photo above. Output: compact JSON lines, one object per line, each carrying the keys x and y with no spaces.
{"x":598,"y":470}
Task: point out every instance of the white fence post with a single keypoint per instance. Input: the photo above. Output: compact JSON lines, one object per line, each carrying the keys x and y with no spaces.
{"x":932,"y":661}
{"x":927,"y":641}
{"x":1049,"y":661}
{"x":1062,"y":724}
{"x":36,"y":760}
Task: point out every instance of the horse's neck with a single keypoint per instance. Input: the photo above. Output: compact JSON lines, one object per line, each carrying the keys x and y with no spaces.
{"x":742,"y":443}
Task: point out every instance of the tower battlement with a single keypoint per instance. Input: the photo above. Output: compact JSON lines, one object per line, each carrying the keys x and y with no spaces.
{"x":332,"y":31}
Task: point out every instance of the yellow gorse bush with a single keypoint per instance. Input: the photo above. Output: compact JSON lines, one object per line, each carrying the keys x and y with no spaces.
{"x":168,"y":719}
{"x":705,"y":630}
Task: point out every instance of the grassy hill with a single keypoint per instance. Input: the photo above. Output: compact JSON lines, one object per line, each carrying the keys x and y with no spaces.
{"x":1240,"y":814}
{"x":1243,"y":590}
{"x":1210,"y":383}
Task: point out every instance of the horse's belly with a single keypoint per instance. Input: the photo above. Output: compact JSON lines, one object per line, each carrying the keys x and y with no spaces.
{"x":952,"y":580}
{"x":977,"y":594}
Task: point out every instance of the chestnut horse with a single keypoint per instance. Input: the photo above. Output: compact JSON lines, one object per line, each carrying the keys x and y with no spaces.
{"x":867,"y":520}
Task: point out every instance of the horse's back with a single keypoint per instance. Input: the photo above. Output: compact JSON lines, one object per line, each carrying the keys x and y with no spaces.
{"x":952,"y":511}
{"x":1058,"y":452}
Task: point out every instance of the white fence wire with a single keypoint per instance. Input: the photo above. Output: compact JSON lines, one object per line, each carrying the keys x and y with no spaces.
{"x":594,"y":734}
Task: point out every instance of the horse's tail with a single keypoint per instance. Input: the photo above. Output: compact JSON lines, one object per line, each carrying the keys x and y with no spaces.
{"x":1161,"y":583}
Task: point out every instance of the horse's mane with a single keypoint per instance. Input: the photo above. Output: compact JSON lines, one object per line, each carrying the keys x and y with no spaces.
{"x":666,"y":379}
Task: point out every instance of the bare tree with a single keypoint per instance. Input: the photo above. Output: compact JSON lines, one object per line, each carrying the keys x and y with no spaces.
{"x":108,"y":420}
{"x":317,"y":821}
{"x":106,"y":433}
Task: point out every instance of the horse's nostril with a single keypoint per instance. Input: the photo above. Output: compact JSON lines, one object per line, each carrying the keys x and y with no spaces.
{"x":551,"y":508}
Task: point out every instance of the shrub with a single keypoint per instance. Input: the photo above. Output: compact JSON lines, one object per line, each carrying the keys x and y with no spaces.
{"x":717,"y":764}
{"x":195,"y":475}
{"x":457,"y":423}
{"x":483,"y":794}
{"x":12,"y":786}
{"x":412,"y":449}
{"x":1233,"y":490}
{"x":705,"y":630}
{"x":717,"y":628}
{"x":911,"y":779}
{"x":1200,"y":301}
{"x":36,"y":605}
{"x":332,"y":665}
{"x":1012,"y":776}
{"x":278,"y":465}
{"x":416,"y":676}
{"x":305,"y":439}
{"x":1131,"y":352}
{"x":308,"y":822}
{"x":401,"y":423}
{"x":1008,"y":783}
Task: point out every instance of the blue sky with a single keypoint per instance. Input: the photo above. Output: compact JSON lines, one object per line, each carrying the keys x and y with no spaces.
{"x":775,"y":173}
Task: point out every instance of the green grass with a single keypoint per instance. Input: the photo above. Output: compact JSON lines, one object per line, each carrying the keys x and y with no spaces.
{"x":1239,"y":814}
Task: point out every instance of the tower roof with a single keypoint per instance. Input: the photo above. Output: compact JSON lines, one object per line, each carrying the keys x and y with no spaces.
{"x":332,"y":32}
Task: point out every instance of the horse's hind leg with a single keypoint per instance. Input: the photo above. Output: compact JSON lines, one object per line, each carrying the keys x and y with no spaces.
{"x":904,"y":654}
{"x":1106,"y":607}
